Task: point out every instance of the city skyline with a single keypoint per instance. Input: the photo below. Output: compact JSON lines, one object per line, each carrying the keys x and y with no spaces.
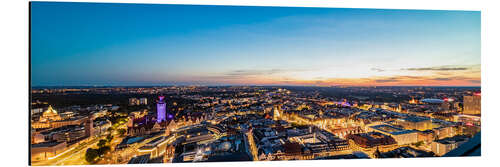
{"x":139,"y":44}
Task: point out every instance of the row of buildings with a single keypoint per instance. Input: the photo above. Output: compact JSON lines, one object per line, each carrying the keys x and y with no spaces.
{"x":52,"y":134}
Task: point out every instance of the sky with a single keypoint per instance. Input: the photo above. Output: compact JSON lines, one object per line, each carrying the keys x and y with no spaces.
{"x":82,"y":44}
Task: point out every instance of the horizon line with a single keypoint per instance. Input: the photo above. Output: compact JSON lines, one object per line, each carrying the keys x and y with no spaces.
{"x":253,"y":85}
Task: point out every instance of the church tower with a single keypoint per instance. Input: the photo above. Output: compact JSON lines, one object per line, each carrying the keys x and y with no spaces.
{"x":161,"y":109}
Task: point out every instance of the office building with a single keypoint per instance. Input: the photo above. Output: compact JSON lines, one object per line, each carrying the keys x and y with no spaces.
{"x":143,"y":101}
{"x":472,"y":104}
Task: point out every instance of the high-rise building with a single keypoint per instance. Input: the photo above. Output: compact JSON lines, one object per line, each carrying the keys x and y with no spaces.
{"x":143,"y":101}
{"x":133,"y":101}
{"x":472,"y":104}
{"x":161,"y":109}
{"x":89,"y":127}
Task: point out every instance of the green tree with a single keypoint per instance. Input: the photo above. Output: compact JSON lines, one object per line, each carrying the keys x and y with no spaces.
{"x":91,"y":155}
{"x":122,"y":132}
{"x":103,"y":150}
{"x":101,"y":143}
{"x":418,"y":144}
{"x":109,"y":138}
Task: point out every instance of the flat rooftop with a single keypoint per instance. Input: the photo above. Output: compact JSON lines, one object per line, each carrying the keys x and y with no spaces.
{"x":454,"y":139}
{"x":415,"y":119}
{"x":391,"y":129}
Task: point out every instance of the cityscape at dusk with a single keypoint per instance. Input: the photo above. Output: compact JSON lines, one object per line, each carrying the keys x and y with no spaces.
{"x":115,"y":83}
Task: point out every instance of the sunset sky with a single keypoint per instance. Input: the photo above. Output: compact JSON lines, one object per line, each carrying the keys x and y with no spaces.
{"x":137,"y":44}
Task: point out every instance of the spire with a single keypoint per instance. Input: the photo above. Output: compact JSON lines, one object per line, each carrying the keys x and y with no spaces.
{"x":50,"y":110}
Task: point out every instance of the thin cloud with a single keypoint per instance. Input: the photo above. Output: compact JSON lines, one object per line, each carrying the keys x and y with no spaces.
{"x":385,"y":80}
{"x":437,"y":69}
{"x":377,"y":69}
{"x":442,"y":79}
{"x":474,"y":81}
{"x":244,"y":74}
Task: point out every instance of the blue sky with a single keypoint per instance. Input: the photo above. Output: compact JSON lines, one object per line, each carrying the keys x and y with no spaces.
{"x":144,"y":44}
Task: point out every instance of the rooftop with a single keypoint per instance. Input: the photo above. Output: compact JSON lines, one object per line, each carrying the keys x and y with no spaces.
{"x":454,"y":139}
{"x":46,"y":144}
{"x":391,"y":129}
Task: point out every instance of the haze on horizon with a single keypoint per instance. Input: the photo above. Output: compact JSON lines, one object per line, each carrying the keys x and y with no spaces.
{"x":145,"y":44}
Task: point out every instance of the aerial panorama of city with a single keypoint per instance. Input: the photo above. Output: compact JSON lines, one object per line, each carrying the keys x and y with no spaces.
{"x":159,"y":83}
{"x":116,"y":125}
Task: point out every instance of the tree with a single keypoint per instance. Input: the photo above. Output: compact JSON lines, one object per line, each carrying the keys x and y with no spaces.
{"x":109,"y":138}
{"x":418,"y":144}
{"x":103,"y":150}
{"x":121,"y":132}
{"x":101,"y":143}
{"x":91,"y":155}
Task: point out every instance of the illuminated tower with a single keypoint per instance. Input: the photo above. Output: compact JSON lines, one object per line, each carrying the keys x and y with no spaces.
{"x":161,"y":109}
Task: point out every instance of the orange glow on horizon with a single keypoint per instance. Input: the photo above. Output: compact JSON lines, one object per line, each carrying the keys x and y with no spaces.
{"x":374,"y":81}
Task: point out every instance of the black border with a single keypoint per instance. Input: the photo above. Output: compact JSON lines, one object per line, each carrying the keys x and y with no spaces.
{"x":29,"y":83}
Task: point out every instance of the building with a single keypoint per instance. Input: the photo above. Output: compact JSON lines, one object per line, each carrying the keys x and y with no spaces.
{"x":133,"y":102}
{"x":161,"y":108}
{"x":49,"y":115}
{"x":426,"y":136}
{"x":319,"y":142}
{"x":417,"y":123}
{"x":100,"y":126}
{"x":36,"y":110}
{"x":100,"y":113}
{"x":405,"y":152}
{"x":445,"y":132}
{"x":468,"y":130}
{"x":443,"y":146}
{"x":371,"y":139}
{"x":143,"y":126}
{"x":169,"y":153}
{"x":277,"y":112}
{"x":472,"y":104}
{"x":156,"y":147}
{"x":69,"y":134}
{"x":401,"y":136}
{"x":89,"y":127}
{"x":447,"y":106}
{"x":46,"y":150}
{"x":143,"y":159}
{"x":51,"y":119}
{"x":36,"y":137}
{"x":470,"y":148}
{"x":468,"y":119}
{"x":143,"y":101}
